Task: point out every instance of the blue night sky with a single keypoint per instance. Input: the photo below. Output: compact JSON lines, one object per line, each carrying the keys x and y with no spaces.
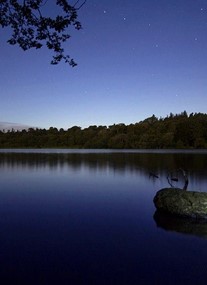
{"x":135,"y":59}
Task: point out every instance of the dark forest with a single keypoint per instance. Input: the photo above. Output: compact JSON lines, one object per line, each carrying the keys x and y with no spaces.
{"x":177,"y":131}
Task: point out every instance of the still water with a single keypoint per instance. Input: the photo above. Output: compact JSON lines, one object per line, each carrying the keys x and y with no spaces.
{"x":87,"y":217}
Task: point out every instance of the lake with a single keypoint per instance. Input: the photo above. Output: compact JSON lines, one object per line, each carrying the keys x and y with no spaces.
{"x":87,"y":217}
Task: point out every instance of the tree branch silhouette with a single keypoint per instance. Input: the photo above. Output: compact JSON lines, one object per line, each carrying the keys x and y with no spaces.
{"x":31,"y":29}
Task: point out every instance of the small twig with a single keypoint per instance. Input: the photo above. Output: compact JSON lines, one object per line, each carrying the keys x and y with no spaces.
{"x":186,"y":179}
{"x":168,"y":179}
{"x":80,"y":5}
{"x":151,"y":174}
{"x":44,"y":3}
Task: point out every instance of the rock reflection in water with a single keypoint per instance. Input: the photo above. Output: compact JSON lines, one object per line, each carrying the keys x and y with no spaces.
{"x":181,"y":225}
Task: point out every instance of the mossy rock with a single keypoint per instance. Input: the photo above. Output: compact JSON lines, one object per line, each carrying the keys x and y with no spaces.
{"x":182,"y":203}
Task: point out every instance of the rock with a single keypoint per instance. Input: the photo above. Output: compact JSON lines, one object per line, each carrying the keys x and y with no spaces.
{"x":182,"y":203}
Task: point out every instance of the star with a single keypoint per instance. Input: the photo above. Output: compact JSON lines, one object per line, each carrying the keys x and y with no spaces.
{"x":104,"y":11}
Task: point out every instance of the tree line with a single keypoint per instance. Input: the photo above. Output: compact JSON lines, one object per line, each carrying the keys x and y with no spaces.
{"x":174,"y":131}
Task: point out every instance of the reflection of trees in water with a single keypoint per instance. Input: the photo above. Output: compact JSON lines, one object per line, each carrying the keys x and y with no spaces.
{"x":142,"y":163}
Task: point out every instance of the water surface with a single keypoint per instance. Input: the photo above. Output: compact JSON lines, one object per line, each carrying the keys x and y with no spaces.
{"x":87,"y":217}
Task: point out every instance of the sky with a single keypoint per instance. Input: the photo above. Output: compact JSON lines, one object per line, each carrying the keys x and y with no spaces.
{"x":135,"y":58}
